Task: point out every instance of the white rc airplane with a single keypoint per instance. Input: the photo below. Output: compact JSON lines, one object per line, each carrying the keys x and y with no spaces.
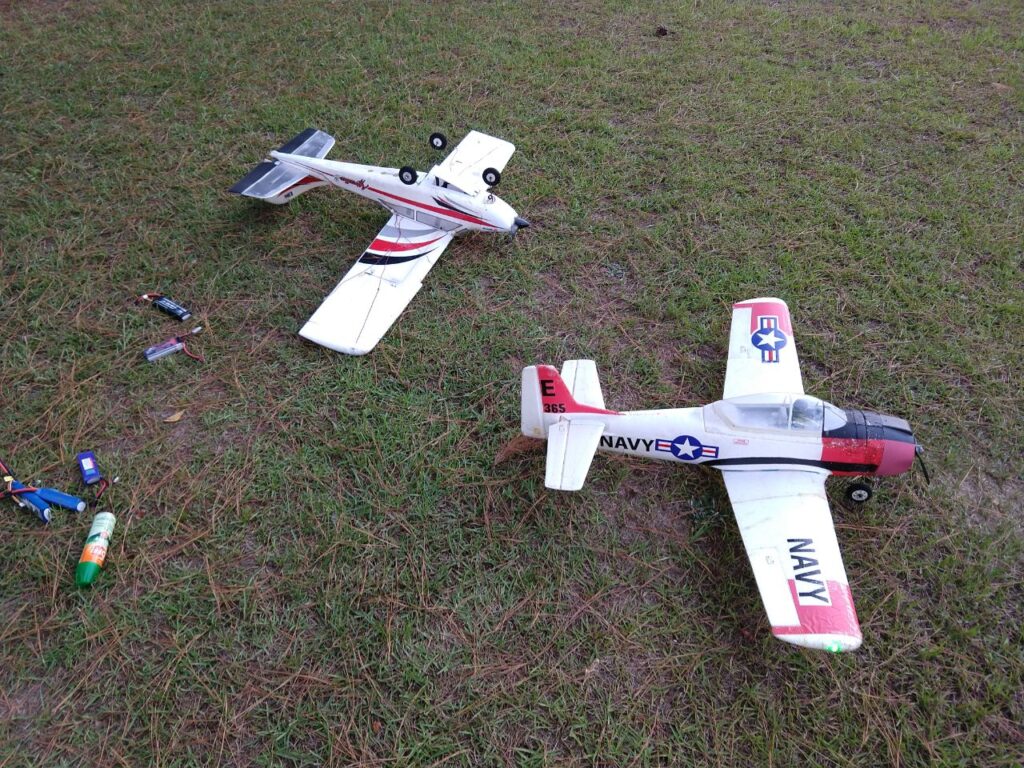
{"x":774,"y":446}
{"x":427,"y":211}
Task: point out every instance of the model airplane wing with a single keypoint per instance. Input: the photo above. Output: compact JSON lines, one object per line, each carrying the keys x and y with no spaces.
{"x":787,"y":531}
{"x":571,"y":448}
{"x":762,"y":350}
{"x":465,"y":166}
{"x":368,"y":300}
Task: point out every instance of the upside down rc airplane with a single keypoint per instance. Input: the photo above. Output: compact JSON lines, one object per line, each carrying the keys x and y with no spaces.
{"x":774,"y":446}
{"x":427,"y":211}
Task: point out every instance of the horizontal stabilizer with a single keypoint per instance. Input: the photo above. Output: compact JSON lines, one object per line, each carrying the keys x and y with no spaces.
{"x":253,"y":176}
{"x":581,"y":378}
{"x":275,"y":182}
{"x":309,"y":143}
{"x":571,"y":448}
{"x":279,"y":182}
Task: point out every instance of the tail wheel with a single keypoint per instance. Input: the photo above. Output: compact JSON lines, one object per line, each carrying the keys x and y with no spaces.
{"x":438,"y":141}
{"x":858,"y":493}
{"x":491,"y":177}
{"x":407,"y":174}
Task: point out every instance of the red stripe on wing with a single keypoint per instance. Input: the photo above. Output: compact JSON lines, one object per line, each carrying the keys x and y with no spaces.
{"x":388,"y":246}
{"x":840,"y":618}
{"x":771,"y":309}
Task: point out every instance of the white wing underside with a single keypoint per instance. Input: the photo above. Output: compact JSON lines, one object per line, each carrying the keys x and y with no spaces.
{"x":368,"y":300}
{"x":787,"y":530}
{"x":465,"y":165}
{"x":772,"y":367}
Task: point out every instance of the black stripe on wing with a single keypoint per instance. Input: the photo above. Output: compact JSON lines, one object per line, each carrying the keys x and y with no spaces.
{"x":384,"y":259}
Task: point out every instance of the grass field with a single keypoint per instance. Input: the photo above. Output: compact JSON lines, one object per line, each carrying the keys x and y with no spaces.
{"x":333,"y":560}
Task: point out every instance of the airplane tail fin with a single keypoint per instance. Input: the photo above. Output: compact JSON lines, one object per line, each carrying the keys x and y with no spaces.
{"x":549,"y":400}
{"x":547,"y":394}
{"x":278,"y":182}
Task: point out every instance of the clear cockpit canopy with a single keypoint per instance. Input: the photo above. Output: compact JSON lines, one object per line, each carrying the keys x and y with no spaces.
{"x":779,"y":412}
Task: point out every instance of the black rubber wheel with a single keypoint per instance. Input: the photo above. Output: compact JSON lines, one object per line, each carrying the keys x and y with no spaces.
{"x":438,"y":141}
{"x":407,"y":174}
{"x":858,"y":493}
{"x":491,"y":177}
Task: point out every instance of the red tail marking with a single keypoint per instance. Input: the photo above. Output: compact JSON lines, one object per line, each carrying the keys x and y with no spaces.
{"x":555,"y":397}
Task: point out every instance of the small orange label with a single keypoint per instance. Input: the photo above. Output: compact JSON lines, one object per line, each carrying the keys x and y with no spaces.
{"x":94,"y":553}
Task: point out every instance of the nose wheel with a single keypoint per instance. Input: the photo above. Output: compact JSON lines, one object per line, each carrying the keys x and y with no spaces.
{"x":438,"y":141}
{"x":859,"y":492}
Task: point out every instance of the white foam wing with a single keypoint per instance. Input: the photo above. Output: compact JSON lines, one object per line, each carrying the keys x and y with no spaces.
{"x":465,"y":166}
{"x":784,"y":519}
{"x":368,"y":300}
{"x":762,"y":350}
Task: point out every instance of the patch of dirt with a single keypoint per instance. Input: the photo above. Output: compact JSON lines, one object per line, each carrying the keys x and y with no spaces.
{"x":22,"y":702}
{"x":35,"y":7}
{"x":659,"y":523}
{"x":518,"y":445}
{"x":989,"y":500}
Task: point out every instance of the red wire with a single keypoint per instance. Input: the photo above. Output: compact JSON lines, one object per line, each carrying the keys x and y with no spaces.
{"x":17,"y":491}
{"x":5,"y":492}
{"x":184,"y":348}
{"x":10,"y":493}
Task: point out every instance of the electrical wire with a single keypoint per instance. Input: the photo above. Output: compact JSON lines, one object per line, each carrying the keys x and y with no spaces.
{"x":185,"y":349}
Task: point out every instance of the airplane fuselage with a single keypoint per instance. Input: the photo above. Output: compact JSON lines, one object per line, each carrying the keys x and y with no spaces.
{"x":429,"y":200}
{"x":715,"y":435}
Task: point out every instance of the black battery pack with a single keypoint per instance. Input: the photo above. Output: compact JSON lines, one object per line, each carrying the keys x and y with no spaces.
{"x":171,"y":308}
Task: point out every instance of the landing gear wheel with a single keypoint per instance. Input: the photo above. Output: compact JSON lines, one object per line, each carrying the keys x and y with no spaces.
{"x":491,"y":177}
{"x":858,"y":493}
{"x":438,"y":140}
{"x":407,"y":174}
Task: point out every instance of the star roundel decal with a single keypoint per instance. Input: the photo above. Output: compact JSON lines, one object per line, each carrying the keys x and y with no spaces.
{"x":769,"y":339}
{"x":687,"y":448}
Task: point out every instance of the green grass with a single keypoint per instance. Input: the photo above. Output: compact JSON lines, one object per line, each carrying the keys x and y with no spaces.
{"x":322,"y":563}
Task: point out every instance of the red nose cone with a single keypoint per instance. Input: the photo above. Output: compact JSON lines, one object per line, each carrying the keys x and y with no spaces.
{"x":897,"y":457}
